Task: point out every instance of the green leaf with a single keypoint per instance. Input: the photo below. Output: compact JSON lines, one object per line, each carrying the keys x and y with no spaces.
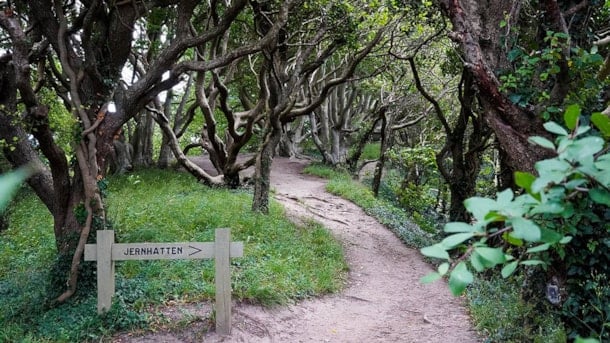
{"x":563,"y":142}
{"x":539,"y":248}
{"x":547,"y":178}
{"x":555,"y":128}
{"x":460,"y":278}
{"x":583,"y":148}
{"x":570,"y":116}
{"x":430,"y":278}
{"x":10,"y":182}
{"x":454,"y":240}
{"x":552,"y":165}
{"x":547,"y":207}
{"x":600,"y":196}
{"x":551,"y":171}
{"x":478,"y":263}
{"x":515,"y":98}
{"x":582,"y":130}
{"x":493,"y":217}
{"x":572,"y":184}
{"x":585,"y":340}
{"x":493,"y":255}
{"x":454,"y":227}
{"x":525,"y":229}
{"x":443,"y":268}
{"x":479,"y":207}
{"x":436,"y":251}
{"x":602,"y":123}
{"x":525,"y":180}
{"x":566,"y":240}
{"x":543,"y":142}
{"x":514,"y":54}
{"x":603,"y":164}
{"x":509,"y":269}
{"x":505,"y":197}
{"x":549,"y":236}
{"x":512,"y":240}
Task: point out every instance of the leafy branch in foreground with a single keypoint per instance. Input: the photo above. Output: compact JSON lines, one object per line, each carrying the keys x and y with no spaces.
{"x":10,"y":182}
{"x":560,"y":218}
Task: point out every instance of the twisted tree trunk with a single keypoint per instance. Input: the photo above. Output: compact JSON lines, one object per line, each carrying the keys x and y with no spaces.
{"x":476,"y":29}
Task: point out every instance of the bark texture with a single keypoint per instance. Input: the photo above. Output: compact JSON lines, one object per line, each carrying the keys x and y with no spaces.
{"x":477,"y":31}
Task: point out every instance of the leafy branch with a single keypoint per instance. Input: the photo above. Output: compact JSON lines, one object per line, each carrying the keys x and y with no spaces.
{"x":580,"y":169}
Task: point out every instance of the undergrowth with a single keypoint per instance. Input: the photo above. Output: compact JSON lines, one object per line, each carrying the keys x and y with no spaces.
{"x":500,"y":313}
{"x":281,"y":263}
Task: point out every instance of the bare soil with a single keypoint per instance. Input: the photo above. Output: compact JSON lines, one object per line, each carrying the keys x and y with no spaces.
{"x":383,"y":300}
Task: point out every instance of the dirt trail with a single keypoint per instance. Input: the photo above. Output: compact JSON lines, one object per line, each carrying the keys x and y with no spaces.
{"x":382,"y":302}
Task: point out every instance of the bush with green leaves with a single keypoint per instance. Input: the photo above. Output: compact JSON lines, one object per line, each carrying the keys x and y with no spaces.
{"x":558,"y":223}
{"x":414,"y":184}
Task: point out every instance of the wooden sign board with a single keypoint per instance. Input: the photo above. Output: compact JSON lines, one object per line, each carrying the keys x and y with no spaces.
{"x":105,"y":252}
{"x":162,"y":251}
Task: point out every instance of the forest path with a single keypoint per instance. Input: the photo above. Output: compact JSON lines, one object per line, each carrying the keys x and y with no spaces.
{"x":383,"y":300}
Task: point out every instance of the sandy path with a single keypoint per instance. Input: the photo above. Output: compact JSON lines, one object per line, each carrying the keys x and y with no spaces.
{"x":382,"y":302}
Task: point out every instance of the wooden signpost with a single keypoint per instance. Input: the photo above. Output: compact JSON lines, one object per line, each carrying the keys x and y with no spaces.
{"x":105,"y":252}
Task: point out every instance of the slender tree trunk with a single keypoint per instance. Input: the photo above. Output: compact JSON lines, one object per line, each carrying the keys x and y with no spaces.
{"x":142,"y":142}
{"x":386,"y":144}
{"x":505,"y":174}
{"x":182,"y":118}
{"x":338,"y":150}
{"x":289,"y":145}
{"x":262,"y":175}
{"x":165,"y":154}
{"x":318,"y":137}
{"x":352,"y":161}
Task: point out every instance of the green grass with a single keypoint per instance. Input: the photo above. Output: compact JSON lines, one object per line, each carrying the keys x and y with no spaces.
{"x":499,"y":312}
{"x":371,"y":151}
{"x":282,"y":262}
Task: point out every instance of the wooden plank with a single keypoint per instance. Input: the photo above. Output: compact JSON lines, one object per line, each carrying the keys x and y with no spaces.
{"x":162,"y":251}
{"x":223,"y":281}
{"x":90,"y":252}
{"x":105,"y":270}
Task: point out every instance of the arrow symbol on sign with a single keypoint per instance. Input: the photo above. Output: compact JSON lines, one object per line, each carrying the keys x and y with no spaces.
{"x":195,"y":252}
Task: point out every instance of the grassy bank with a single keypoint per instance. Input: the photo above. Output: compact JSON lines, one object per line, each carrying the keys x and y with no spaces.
{"x":281,"y":262}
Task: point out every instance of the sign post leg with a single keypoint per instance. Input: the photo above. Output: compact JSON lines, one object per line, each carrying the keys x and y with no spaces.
{"x":105,"y":270}
{"x":222,"y":247}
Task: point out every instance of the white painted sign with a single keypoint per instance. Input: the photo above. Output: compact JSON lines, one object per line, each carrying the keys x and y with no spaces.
{"x":162,"y":251}
{"x":105,"y":252}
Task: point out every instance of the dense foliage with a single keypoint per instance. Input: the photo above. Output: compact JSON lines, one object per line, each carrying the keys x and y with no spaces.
{"x":560,"y":222}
